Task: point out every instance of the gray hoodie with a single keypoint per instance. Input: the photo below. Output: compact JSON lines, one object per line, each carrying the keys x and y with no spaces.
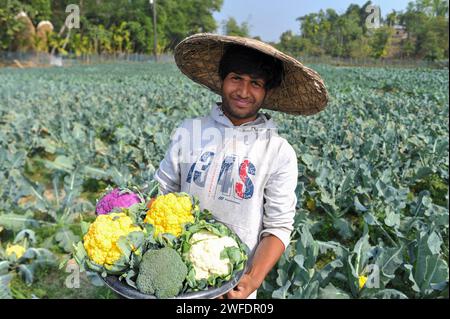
{"x":245,"y":175}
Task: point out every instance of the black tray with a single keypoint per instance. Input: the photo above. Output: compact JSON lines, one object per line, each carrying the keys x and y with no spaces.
{"x":126,"y":291}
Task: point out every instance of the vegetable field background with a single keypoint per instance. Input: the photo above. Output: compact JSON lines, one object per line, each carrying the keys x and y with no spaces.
{"x":372,"y":215}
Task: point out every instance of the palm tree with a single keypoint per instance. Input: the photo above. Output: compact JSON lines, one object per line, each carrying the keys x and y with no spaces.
{"x":392,"y":18}
{"x":440,"y":8}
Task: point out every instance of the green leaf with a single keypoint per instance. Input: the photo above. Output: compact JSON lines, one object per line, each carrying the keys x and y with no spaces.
{"x":95,"y":279}
{"x":343,"y":227}
{"x":410,"y":271}
{"x":331,"y":292}
{"x":124,"y":245}
{"x":388,"y":262}
{"x":301,"y":274}
{"x":84,"y":227}
{"x":232,"y":253}
{"x":434,"y":242}
{"x":361,"y":249}
{"x":4,"y":266}
{"x":422,"y":173}
{"x":16,"y":222}
{"x":130,"y":277}
{"x":389,"y":294}
{"x":428,"y":271}
{"x":5,"y":292}
{"x":62,"y":163}
{"x":282,"y":292}
{"x":94,"y":172}
{"x":358,"y":205}
{"x":282,"y":277}
{"x":392,"y":218}
{"x":93,"y":266}
{"x":311,"y":291}
{"x":25,"y":233}
{"x":436,"y":274}
{"x":326,"y":273}
{"x":26,"y":272}
{"x":80,"y":255}
{"x":66,"y":239}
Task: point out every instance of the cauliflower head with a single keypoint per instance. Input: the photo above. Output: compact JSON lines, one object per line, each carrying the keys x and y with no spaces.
{"x":205,"y":254}
{"x":116,"y":199}
{"x":168,"y":213}
{"x":100,"y":242}
{"x":15,"y":249}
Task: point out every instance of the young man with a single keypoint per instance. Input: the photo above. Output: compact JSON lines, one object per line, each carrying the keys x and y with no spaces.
{"x":233,"y":160}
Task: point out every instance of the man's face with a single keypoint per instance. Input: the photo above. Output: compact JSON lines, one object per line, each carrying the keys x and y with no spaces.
{"x":242,"y":97}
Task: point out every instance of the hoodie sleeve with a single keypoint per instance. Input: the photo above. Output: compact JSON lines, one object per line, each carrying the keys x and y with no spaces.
{"x":279,"y":197}
{"x":168,"y":174}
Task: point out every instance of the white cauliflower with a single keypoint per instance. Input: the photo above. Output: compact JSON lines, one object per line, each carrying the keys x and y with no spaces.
{"x":205,"y":254}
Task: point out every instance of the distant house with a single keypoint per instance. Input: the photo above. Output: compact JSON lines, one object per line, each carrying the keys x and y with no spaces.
{"x":400,"y":32}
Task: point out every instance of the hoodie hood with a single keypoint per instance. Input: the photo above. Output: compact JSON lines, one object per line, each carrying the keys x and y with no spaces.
{"x":263,"y":120}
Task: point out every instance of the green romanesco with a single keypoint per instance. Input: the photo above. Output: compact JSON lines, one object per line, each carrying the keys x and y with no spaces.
{"x":161,"y":273}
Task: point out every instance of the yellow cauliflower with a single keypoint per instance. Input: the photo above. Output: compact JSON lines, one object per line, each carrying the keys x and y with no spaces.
{"x":100,"y":242}
{"x":169,"y":212}
{"x":362,"y":281}
{"x":15,"y":249}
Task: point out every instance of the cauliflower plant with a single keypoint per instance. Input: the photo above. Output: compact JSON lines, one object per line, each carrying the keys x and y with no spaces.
{"x":18,"y":250}
{"x":101,"y":240}
{"x":168,"y":213}
{"x":213,"y":253}
{"x":205,"y":254}
{"x":116,"y":199}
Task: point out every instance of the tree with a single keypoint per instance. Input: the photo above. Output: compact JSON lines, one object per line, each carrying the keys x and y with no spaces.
{"x":380,"y":41}
{"x":231,"y":27}
{"x":360,"y":48}
{"x":291,"y":43}
{"x":174,"y":22}
{"x":426,"y":22}
{"x":347,"y":35}
{"x":392,"y":18}
{"x":9,"y":26}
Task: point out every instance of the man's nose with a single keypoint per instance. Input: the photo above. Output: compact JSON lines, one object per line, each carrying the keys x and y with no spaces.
{"x":243,"y":90}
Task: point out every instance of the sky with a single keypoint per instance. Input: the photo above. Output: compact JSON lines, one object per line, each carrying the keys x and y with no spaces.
{"x":269,"y":19}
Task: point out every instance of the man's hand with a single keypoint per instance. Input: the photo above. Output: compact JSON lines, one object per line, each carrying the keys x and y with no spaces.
{"x":244,"y":288}
{"x":266,"y":256}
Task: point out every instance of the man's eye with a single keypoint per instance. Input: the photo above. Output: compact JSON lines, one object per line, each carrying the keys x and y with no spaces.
{"x":257,"y":84}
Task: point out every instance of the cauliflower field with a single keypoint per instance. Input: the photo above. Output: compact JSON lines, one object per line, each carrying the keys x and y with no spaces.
{"x":372,"y":214}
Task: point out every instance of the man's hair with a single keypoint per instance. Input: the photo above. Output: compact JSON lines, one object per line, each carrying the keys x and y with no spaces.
{"x":244,"y":60}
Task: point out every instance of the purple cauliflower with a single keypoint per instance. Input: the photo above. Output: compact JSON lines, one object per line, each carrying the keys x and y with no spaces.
{"x":114,"y":200}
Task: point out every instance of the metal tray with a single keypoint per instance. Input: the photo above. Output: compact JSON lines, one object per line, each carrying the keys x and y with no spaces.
{"x":126,"y":291}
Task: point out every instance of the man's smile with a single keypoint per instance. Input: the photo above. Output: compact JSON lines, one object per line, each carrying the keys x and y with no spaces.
{"x":241,"y":103}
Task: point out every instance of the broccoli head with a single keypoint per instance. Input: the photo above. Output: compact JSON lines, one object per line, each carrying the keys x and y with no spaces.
{"x":161,"y":273}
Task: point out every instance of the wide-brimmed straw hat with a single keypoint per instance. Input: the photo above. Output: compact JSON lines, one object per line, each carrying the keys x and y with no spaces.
{"x":302,"y":90}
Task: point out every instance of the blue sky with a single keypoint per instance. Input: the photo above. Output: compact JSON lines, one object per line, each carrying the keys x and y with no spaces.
{"x":269,"y":19}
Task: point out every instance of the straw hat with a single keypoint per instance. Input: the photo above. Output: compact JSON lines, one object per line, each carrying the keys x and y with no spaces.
{"x":302,"y":91}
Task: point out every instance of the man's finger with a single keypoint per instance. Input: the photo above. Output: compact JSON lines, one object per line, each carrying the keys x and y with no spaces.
{"x":234,"y":294}
{"x":237,"y":292}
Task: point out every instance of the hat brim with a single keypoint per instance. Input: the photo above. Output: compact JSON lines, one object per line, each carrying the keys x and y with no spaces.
{"x":302,"y":90}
